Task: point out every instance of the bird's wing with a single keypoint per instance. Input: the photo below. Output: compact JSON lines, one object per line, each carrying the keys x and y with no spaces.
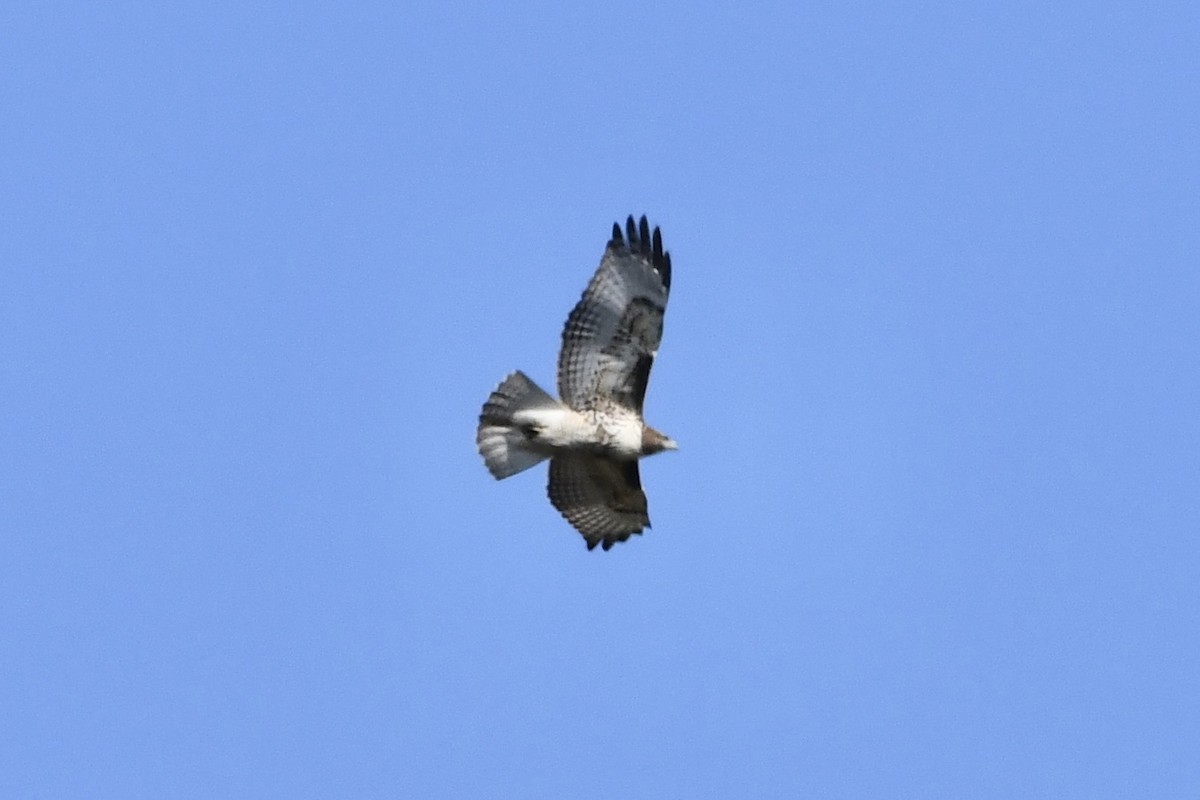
{"x":613,"y":333}
{"x":601,"y":497}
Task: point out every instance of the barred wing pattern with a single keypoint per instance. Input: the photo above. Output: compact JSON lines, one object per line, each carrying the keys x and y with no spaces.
{"x":613,"y":333}
{"x":601,"y":497}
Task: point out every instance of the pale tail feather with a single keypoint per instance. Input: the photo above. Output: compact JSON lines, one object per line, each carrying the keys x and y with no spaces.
{"x":503,"y":445}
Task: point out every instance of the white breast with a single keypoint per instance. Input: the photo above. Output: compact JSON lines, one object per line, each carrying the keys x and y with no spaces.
{"x":623,"y":432}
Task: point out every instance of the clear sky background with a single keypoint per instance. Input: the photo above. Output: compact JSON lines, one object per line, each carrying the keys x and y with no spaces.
{"x":931,"y":358}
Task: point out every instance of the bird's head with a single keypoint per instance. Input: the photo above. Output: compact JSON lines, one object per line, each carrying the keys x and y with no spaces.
{"x":655,"y":442}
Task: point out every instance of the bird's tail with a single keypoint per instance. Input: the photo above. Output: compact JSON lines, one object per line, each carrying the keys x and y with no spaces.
{"x":503,"y":443}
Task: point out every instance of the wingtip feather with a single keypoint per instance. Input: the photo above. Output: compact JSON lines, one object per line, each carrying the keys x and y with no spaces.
{"x":640,"y":238}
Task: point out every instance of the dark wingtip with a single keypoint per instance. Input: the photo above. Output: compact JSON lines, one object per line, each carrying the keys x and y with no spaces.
{"x":640,"y":239}
{"x":591,"y":544}
{"x":608,"y":543}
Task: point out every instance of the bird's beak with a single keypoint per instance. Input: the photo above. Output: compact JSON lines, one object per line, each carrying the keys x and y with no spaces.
{"x":669,"y":444}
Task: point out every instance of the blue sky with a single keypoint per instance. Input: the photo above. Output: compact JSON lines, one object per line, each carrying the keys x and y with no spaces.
{"x":931,"y":358}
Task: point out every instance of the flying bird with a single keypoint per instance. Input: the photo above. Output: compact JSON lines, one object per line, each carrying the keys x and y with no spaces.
{"x":595,"y":434}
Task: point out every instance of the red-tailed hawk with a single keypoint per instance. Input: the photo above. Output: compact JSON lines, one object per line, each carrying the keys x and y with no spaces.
{"x":596,"y":434}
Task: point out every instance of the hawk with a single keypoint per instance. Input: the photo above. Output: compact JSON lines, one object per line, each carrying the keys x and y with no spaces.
{"x":595,"y":435}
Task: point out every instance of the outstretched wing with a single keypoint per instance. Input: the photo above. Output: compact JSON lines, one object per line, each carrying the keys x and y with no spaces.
{"x":601,"y":497}
{"x":613,"y":333}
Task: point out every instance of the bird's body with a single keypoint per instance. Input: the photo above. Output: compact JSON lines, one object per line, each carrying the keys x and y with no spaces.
{"x":617,"y":434}
{"x":595,"y":435}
